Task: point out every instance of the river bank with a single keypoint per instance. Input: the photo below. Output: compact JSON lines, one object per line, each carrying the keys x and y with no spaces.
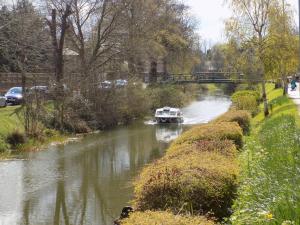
{"x":99,"y":170}
{"x":155,"y":96}
{"x":199,"y":174}
{"x":269,"y":183}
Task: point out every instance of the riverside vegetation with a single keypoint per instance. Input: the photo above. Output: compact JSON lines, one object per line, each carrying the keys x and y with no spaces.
{"x":118,"y":106}
{"x":269,"y":182}
{"x":200,"y":174}
{"x":197,"y":176}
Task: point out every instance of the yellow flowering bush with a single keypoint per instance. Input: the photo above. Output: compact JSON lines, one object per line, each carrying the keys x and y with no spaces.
{"x":198,"y":183}
{"x":164,"y":218}
{"x":213,"y":131}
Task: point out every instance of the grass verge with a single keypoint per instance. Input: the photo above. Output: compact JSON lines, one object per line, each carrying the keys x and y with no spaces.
{"x":269,"y":190}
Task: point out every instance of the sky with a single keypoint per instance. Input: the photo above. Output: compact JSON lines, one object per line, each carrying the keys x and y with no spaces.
{"x":211,"y":14}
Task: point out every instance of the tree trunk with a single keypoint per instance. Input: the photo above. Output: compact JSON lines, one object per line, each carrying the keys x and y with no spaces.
{"x":58,"y":42}
{"x":165,"y":69}
{"x":285,"y":85}
{"x":265,"y":100}
{"x":153,"y":72}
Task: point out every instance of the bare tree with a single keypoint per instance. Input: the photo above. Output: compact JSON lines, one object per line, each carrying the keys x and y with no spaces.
{"x":58,"y":24}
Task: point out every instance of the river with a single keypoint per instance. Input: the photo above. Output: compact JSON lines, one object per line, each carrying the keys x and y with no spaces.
{"x":89,"y":181}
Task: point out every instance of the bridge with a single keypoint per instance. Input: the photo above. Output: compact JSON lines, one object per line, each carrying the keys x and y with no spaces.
{"x":206,"y":78}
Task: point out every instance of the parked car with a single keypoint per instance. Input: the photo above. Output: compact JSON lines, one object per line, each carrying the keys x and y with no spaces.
{"x":2,"y":101}
{"x":121,"y":83}
{"x":39,"y":89}
{"x":106,"y":84}
{"x":14,"y":95}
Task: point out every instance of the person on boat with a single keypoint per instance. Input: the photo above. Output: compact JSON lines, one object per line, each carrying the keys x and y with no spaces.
{"x":293,"y":84}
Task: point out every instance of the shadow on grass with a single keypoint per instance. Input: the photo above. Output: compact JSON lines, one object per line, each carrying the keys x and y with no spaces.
{"x":282,"y":109}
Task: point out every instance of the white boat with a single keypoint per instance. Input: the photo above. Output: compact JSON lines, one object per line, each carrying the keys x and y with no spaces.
{"x":168,"y":115}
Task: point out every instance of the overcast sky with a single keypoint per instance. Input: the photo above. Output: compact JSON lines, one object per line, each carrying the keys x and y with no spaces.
{"x":211,"y":15}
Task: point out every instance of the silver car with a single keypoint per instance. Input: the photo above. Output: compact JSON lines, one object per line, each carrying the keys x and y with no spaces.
{"x":14,"y":96}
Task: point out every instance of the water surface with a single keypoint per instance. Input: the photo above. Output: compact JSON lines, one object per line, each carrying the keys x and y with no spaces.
{"x":90,"y":181}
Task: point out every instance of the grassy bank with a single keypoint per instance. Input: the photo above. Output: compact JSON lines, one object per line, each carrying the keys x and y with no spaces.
{"x":9,"y":120}
{"x":269,"y":190}
{"x":12,"y":125}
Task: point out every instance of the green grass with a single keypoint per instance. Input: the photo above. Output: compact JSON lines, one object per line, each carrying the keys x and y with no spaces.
{"x":9,"y":120}
{"x":269,"y":191}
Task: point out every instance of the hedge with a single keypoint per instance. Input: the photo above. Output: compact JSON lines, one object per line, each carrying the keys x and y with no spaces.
{"x":246,"y":93}
{"x":247,"y":100}
{"x":213,"y":131}
{"x":198,"y":183}
{"x":224,"y":147}
{"x":242,"y":117}
{"x":164,"y":218}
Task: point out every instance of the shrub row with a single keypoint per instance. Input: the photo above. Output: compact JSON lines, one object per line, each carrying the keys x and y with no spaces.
{"x":193,"y":182}
{"x":198,"y":174}
{"x":213,"y":131}
{"x":164,"y":218}
{"x":246,"y":93}
{"x":247,"y":100}
{"x":242,"y":117}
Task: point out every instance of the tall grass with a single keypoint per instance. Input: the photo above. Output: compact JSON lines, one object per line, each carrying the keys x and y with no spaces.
{"x":270,"y":183}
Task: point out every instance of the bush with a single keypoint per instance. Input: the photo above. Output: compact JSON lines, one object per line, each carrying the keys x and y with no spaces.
{"x":193,"y":183}
{"x":242,"y":117}
{"x":50,"y":133}
{"x":213,"y":131}
{"x":3,"y":145}
{"x":16,"y":138}
{"x":225,"y":147}
{"x":246,"y":93}
{"x":165,"y":96}
{"x":246,"y":100}
{"x":77,"y":126}
{"x":164,"y":218}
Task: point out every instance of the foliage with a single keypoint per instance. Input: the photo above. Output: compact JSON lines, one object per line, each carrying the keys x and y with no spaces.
{"x":198,"y":183}
{"x":4,"y":146}
{"x":16,"y":138}
{"x":23,"y":35}
{"x":224,"y":147}
{"x":246,"y":100}
{"x":270,"y":183}
{"x":165,"y":96}
{"x":213,"y":131}
{"x":165,"y":218}
{"x":242,"y":117}
{"x":246,"y":93}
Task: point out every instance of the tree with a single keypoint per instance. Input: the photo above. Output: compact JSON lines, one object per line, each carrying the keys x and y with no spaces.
{"x":58,"y":26}
{"x":24,"y":48}
{"x":250,"y":24}
{"x":281,"y":57}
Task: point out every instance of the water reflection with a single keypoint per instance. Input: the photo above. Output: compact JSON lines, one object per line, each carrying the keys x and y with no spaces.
{"x":168,"y":132}
{"x":86,"y":182}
